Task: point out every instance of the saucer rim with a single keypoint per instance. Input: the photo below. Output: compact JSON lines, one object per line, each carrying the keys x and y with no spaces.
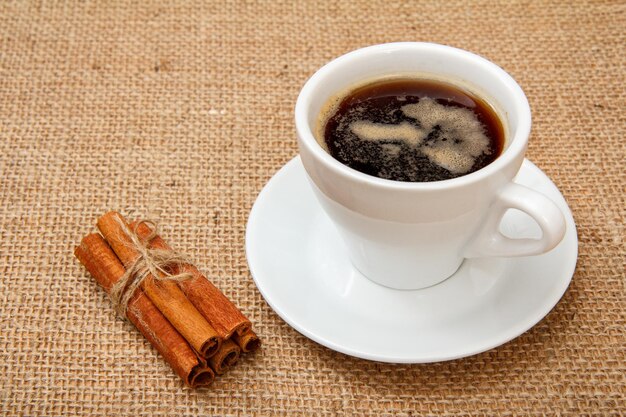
{"x":496,"y":341}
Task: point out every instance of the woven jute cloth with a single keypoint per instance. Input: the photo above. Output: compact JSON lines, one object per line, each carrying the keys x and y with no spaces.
{"x":181,"y":111}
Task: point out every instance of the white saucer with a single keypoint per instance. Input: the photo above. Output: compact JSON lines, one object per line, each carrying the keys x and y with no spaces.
{"x":299,"y":264}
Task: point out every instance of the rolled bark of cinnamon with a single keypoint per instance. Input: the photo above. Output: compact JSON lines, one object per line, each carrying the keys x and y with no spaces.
{"x":226,"y":356}
{"x":218,"y":310}
{"x":165,"y":295}
{"x":104,"y":266}
{"x":248,"y":342}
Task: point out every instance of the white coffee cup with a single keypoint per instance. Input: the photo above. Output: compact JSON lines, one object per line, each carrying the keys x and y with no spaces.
{"x":413,"y":235}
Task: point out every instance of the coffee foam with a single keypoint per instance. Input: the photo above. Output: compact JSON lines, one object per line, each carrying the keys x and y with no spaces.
{"x":460,"y":140}
{"x":403,"y":132}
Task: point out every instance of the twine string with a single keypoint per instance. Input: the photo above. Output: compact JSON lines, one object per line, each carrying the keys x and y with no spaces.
{"x":154,"y":262}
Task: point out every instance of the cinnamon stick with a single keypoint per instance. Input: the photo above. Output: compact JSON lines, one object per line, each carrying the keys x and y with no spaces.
{"x":226,"y":356}
{"x":96,"y":255}
{"x":248,"y":342}
{"x":218,"y":310}
{"x":165,"y":295}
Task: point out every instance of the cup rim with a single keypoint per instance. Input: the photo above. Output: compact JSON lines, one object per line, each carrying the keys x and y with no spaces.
{"x":517,"y":141}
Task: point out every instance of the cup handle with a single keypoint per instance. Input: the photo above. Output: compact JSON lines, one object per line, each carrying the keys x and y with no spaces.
{"x":489,"y":241}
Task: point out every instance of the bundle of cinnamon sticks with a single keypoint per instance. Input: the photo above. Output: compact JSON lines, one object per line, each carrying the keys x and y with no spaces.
{"x":198,"y":331}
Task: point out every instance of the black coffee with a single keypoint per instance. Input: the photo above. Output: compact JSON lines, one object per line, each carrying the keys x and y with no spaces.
{"x":413,"y":130}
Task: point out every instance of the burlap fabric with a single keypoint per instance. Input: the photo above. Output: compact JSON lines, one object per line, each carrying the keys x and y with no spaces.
{"x":181,"y":112}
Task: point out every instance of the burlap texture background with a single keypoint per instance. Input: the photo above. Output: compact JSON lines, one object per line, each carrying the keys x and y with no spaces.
{"x":182,"y":111}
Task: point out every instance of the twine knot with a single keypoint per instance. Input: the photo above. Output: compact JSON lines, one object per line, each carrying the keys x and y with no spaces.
{"x":150,"y":262}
